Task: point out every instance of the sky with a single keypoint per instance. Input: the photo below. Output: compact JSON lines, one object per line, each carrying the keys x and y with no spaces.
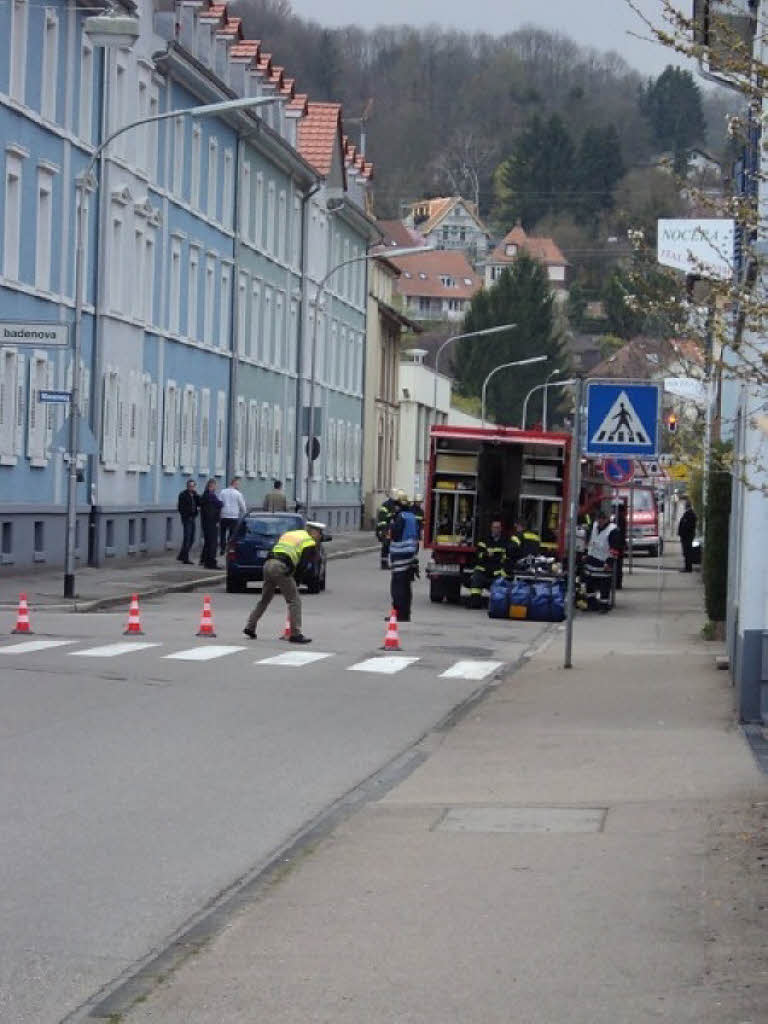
{"x":602,"y":24}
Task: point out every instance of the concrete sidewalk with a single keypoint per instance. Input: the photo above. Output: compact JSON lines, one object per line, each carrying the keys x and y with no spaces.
{"x":113,"y":583}
{"x":584,"y":846}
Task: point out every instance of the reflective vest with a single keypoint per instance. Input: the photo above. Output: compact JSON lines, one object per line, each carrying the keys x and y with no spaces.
{"x":599,"y":546}
{"x":407,"y":544}
{"x":292,"y":546}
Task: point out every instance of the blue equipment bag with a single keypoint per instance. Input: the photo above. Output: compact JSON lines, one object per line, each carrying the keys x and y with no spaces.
{"x":519,"y":599}
{"x":540,"y":608}
{"x":498,"y":602}
{"x":558,"y":601}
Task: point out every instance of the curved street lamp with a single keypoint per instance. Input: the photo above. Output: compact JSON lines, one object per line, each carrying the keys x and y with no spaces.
{"x":388,"y":254}
{"x":85,"y":183}
{"x":505,"y":366}
{"x":544,"y":408}
{"x":459,"y":337}
{"x":538,"y":387}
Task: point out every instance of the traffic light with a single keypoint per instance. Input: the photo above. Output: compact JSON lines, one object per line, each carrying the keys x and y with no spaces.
{"x":671,"y":422}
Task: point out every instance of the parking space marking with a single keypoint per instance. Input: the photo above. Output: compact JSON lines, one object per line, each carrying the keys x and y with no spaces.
{"x":112,"y":650}
{"x":30,"y":646}
{"x":203,"y":653}
{"x":471,"y":669}
{"x":294,"y":659}
{"x":384,"y":665}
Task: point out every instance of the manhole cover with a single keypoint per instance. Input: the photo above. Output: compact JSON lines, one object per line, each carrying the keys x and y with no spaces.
{"x":522,"y":819}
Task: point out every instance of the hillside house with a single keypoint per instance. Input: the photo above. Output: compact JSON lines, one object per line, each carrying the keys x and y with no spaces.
{"x":545,"y":250}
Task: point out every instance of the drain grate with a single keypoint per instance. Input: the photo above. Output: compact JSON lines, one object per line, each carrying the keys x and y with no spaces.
{"x":521,"y":819}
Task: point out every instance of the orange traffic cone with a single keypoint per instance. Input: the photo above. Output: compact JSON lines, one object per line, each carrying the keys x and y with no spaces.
{"x":22,"y":618}
{"x":286,"y":634}
{"x":206,"y":621}
{"x":391,"y":638}
{"x":134,"y":621}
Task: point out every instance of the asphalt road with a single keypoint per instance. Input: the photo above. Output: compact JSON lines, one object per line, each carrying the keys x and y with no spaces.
{"x":137,"y":786}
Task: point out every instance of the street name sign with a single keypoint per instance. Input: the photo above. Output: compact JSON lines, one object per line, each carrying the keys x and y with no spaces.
{"x":622,"y":419}
{"x":55,"y":397}
{"x":41,"y":334}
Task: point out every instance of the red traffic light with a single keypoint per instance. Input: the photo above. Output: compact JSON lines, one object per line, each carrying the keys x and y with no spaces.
{"x":671,"y":422}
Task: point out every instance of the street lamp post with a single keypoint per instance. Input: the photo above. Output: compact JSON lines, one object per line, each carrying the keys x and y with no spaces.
{"x":388,"y":254}
{"x":459,"y":337}
{"x":85,"y":183}
{"x":505,"y":366}
{"x":539,"y":387}
{"x":546,"y":392}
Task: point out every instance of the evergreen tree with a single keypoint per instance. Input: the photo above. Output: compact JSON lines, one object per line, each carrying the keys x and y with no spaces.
{"x":537,"y":178}
{"x":599,"y":168}
{"x":521,"y":296}
{"x":672,"y":104}
{"x":623,"y":321}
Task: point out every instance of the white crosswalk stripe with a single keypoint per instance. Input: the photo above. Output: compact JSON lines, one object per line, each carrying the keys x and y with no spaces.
{"x":471,"y":669}
{"x":203,"y":653}
{"x":386,"y":665}
{"x":112,"y":650}
{"x":30,"y":646}
{"x":294,"y":659}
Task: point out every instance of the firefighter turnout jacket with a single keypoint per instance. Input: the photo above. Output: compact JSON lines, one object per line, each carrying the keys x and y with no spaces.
{"x":385,"y":515}
{"x":493,"y":554}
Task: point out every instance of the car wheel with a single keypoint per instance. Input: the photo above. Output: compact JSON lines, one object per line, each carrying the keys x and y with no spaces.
{"x":453,"y":593}
{"x":436,"y":592}
{"x":654,"y":551}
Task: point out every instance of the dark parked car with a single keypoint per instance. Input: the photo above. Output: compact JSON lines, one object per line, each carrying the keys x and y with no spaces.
{"x":252,"y":540}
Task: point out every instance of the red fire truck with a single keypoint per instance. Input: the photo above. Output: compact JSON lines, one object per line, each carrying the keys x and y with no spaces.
{"x":478,"y":474}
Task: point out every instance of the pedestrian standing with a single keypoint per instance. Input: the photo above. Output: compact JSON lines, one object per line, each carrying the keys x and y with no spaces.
{"x":188,"y":506}
{"x":403,"y":556}
{"x":289,"y":559}
{"x":210,"y":513}
{"x":232,"y":507}
{"x":686,"y":531}
{"x":275,"y":500}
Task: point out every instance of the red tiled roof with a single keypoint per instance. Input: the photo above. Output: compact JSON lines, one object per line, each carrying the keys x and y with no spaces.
{"x":232,"y":27}
{"x":422,"y":272}
{"x":318,"y":134}
{"x":545,"y":250}
{"x":650,"y":358}
{"x":397,"y":234}
{"x":245,"y":49}
{"x":214,"y":11}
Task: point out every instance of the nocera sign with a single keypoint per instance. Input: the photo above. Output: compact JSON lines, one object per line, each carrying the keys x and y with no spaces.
{"x":702,"y":247}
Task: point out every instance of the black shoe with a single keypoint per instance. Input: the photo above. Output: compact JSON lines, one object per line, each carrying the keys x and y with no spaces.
{"x":187,"y":561}
{"x":179,"y":558}
{"x":299,"y":638}
{"x":250,"y":633}
{"x":385,"y":566}
{"x":212,"y":565}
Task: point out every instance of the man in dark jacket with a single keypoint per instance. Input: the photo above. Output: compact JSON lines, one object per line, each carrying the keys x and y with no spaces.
{"x":210,"y":513}
{"x":686,"y":531}
{"x":188,"y":505}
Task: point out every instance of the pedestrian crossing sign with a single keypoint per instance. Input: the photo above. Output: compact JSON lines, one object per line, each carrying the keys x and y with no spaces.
{"x":622,"y":418}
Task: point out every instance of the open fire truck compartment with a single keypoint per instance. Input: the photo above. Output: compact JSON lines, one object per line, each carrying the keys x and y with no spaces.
{"x":479,"y":474}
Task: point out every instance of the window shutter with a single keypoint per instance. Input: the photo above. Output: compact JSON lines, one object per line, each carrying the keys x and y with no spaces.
{"x":8,"y":399}
{"x":240,"y":435}
{"x":194,"y":431}
{"x":252,"y":461}
{"x":264,"y":441}
{"x":290,"y":443}
{"x":145,"y":415}
{"x":357,"y":453}
{"x":50,"y":412}
{"x":152,"y":433}
{"x":18,"y":444}
{"x":341,"y":441}
{"x":37,"y":426}
{"x":221,"y":432}
{"x":330,"y":451}
{"x":170,"y":420}
{"x":277,"y":434}
{"x":204,"y":458}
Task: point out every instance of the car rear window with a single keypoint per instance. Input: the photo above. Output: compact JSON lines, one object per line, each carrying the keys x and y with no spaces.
{"x":272,"y":527}
{"x":643,"y":502}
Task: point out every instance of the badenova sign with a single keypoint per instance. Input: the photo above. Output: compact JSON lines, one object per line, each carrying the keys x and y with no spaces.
{"x":703,"y":247}
{"x":44,"y":335}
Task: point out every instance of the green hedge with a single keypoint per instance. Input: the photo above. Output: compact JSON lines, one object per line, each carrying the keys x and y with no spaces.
{"x":715,"y":567}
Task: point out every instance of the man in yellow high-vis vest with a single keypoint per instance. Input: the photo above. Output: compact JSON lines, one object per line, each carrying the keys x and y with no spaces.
{"x":283,"y":569}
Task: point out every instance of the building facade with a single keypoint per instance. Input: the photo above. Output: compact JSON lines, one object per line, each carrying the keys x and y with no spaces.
{"x":202,"y":250}
{"x":450,"y":222}
{"x":436,"y":285}
{"x":545,"y":250}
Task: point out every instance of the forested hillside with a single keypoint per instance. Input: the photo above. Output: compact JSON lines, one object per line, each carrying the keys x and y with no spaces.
{"x":449,"y":110}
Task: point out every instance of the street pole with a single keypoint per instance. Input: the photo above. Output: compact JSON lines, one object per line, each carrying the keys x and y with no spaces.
{"x":574,"y":485}
{"x":505,"y":366}
{"x":460,"y":337}
{"x":544,"y":404}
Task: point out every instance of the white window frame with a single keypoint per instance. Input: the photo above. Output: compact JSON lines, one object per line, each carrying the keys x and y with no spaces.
{"x":116,"y":280}
{"x":282,"y":226}
{"x":254,"y":348}
{"x":49,"y":88}
{"x":12,"y":221}
{"x":187,"y":429}
{"x":277,"y":440}
{"x":270,"y":244}
{"x":221,"y":434}
{"x":213,"y":178}
{"x":280,"y":353}
{"x":293,"y":335}
{"x":152,"y":431}
{"x":295,"y":259}
{"x":145,"y":422}
{"x":290,"y":442}
{"x":170,"y":426}
{"x":330,"y":452}
{"x":109,"y":418}
{"x":193,"y":293}
{"x":44,"y":230}
{"x":194,"y":162}
{"x":265,"y":429}
{"x":9,"y":399}
{"x":85,"y":115}
{"x":204,"y":443}
{"x":209,"y":299}
{"x":137,"y":278}
{"x":227,"y":190}
{"x":225,"y":309}
{"x":179,"y":133}
{"x":242,"y":312}
{"x":245,"y":202}
{"x":18,"y":49}
{"x":141,"y":138}
{"x":252,"y":456}
{"x":268,"y":327}
{"x":258,"y":232}
{"x":241,"y":435}
{"x":174,"y":297}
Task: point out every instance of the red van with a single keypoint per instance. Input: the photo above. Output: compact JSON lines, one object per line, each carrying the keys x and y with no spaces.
{"x":644,"y":529}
